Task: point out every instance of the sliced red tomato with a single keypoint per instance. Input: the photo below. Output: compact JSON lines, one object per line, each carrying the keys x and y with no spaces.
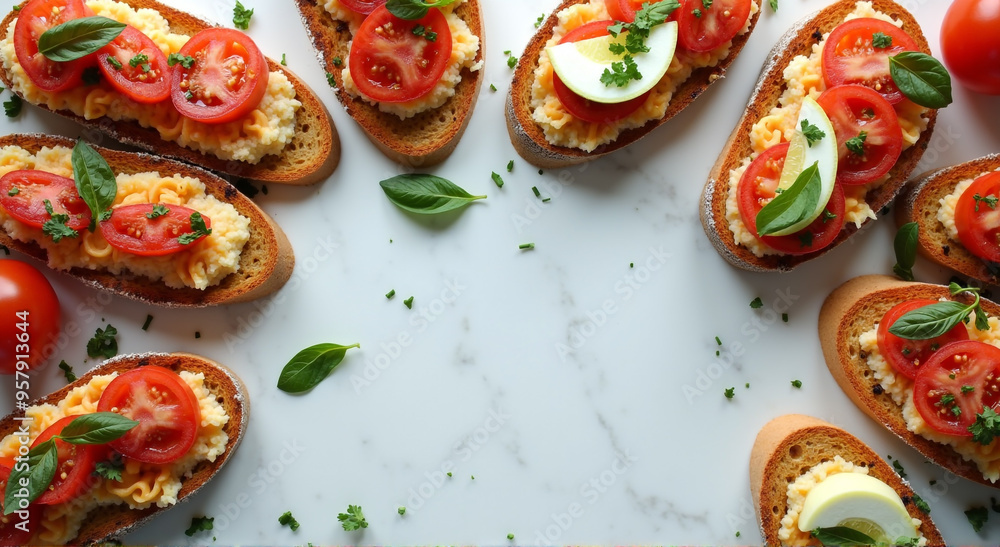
{"x":76,"y":463}
{"x":165,"y":407}
{"x":226,"y":81}
{"x":704,"y":25}
{"x":14,"y":532}
{"x":33,"y":20}
{"x":138,"y":69}
{"x":585,"y":109}
{"x":907,"y":356}
{"x":854,"y":109}
{"x":849,"y":57}
{"x":131,"y":229}
{"x":624,"y":10}
{"x":977,"y":222}
{"x":394,"y":60}
{"x":757,"y":188}
{"x":364,"y":7}
{"x":23,"y":194}
{"x":955,"y":384}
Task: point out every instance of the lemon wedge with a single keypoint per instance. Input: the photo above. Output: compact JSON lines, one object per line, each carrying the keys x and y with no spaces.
{"x":860,"y":502}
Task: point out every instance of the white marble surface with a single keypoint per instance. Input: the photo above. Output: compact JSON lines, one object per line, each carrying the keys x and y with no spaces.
{"x":597,"y":443}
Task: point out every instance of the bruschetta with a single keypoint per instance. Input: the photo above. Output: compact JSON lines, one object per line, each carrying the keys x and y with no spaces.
{"x":159,"y":86}
{"x":953,"y":208}
{"x":415,"y":104}
{"x":807,"y":475}
{"x":165,"y":232}
{"x":932,"y":385}
{"x":563,"y":110}
{"x":816,"y":105}
{"x":102,"y":491}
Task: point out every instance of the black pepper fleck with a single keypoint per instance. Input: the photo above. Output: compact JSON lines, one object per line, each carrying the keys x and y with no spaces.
{"x":884,"y":211}
{"x":877,"y":389}
{"x":945,"y":249}
{"x":906,"y":500}
{"x":863,"y":354}
{"x":817,"y":35}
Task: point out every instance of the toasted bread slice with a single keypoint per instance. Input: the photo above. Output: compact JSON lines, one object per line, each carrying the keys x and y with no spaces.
{"x":528,"y":137}
{"x":799,"y":40}
{"x":112,"y":522}
{"x":425,"y":139}
{"x":311,"y":157}
{"x":789,"y":445}
{"x":922,"y":200}
{"x":265,"y":264}
{"x":849,"y":311}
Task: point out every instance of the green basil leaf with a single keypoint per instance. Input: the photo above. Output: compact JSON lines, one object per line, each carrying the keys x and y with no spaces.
{"x":311,"y":366}
{"x":793,"y":205}
{"x":407,"y":9}
{"x":39,"y":471}
{"x":78,"y":38}
{"x":930,"y":321}
{"x":97,"y":428}
{"x":905,"y":245}
{"x":426,"y":194}
{"x":841,"y":535}
{"x":922,"y":78}
{"x":94,"y":180}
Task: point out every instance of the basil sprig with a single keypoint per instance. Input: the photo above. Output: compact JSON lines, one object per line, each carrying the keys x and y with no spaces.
{"x":841,"y":535}
{"x":78,"y":38}
{"x":94,"y":181}
{"x":905,"y":245}
{"x":414,"y":9}
{"x":43,"y":460}
{"x":426,"y":194}
{"x":793,"y":205}
{"x":933,"y":320}
{"x":922,"y":78}
{"x":311,"y":366}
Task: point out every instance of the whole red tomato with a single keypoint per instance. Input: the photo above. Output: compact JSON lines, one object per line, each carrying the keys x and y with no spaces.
{"x":970,"y":42}
{"x":29,"y":315}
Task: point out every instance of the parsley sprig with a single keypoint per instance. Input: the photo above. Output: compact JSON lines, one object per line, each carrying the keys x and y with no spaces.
{"x":353,"y":519}
{"x":621,"y":73}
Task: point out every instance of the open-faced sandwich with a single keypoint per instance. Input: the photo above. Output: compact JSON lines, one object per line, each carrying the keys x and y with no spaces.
{"x":955,"y":209}
{"x":816,"y":484}
{"x":162,"y":80}
{"x":409,"y":76}
{"x":601,"y":74}
{"x":842,"y":112}
{"x":132,"y":438}
{"x":922,"y":360}
{"x":156,"y":230}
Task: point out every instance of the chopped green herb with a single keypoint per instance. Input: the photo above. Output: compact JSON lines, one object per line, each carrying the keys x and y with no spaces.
{"x":811,"y":132}
{"x":12,"y":107}
{"x":899,"y":469}
{"x":401,"y":511}
{"x":827,"y":216}
{"x":158,"y":211}
{"x":621,"y":73}
{"x":149,"y":319}
{"x":989,"y":200}
{"x":538,"y":23}
{"x":774,"y":5}
{"x":493,"y":87}
{"x":919,"y":503}
{"x":718,"y":341}
{"x":198,"y":229}
{"x":115,"y":63}
{"x":797,"y":384}
{"x":784,"y":317}
{"x":111,"y":469}
{"x":283,"y":63}
{"x":526,"y":246}
{"x":857,"y":144}
{"x":197,"y":334}
{"x":696,"y":12}
{"x":14,"y":190}
{"x":288,"y":520}
{"x":185,"y":61}
{"x":241,"y":16}
{"x":511,"y":60}
{"x":408,"y":303}
{"x":730,"y":392}
{"x":103,"y":344}
{"x":497,"y":179}
{"x":67,"y":371}
{"x":139,"y":59}
{"x":977,"y":517}
{"x":200,"y":524}
{"x":986,"y":426}
{"x":881,"y":41}
{"x":337,"y":61}
{"x":390,"y":294}
{"x":536,"y":192}
{"x":510,"y":166}
{"x":968,"y":389}
{"x":510,"y":536}
{"x":757,"y":303}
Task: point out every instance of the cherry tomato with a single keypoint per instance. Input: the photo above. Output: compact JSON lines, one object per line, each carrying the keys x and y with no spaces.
{"x":149,"y":80}
{"x":33,"y":20}
{"x":13,"y":533}
{"x":30,"y":316}
{"x":906,"y":356}
{"x":364,"y":7}
{"x":391,"y":64}
{"x":585,"y":109}
{"x":165,"y":407}
{"x":23,"y":195}
{"x":704,"y":28}
{"x":938,"y":390}
{"x":977,"y":222}
{"x":849,"y":57}
{"x":853,"y":109}
{"x":226,"y":81}
{"x":970,"y":43}
{"x":76,"y":463}
{"x":131,"y":230}
{"x":757,"y":188}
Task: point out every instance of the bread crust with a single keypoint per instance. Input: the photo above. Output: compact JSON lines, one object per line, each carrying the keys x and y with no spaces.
{"x":529,"y":139}
{"x":266,"y":261}
{"x":423,"y":140}
{"x":112,"y":522}
{"x":852,"y":309}
{"x":798,"y":41}
{"x":310,"y":157}
{"x":789,"y":445}
{"x":920,"y":203}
